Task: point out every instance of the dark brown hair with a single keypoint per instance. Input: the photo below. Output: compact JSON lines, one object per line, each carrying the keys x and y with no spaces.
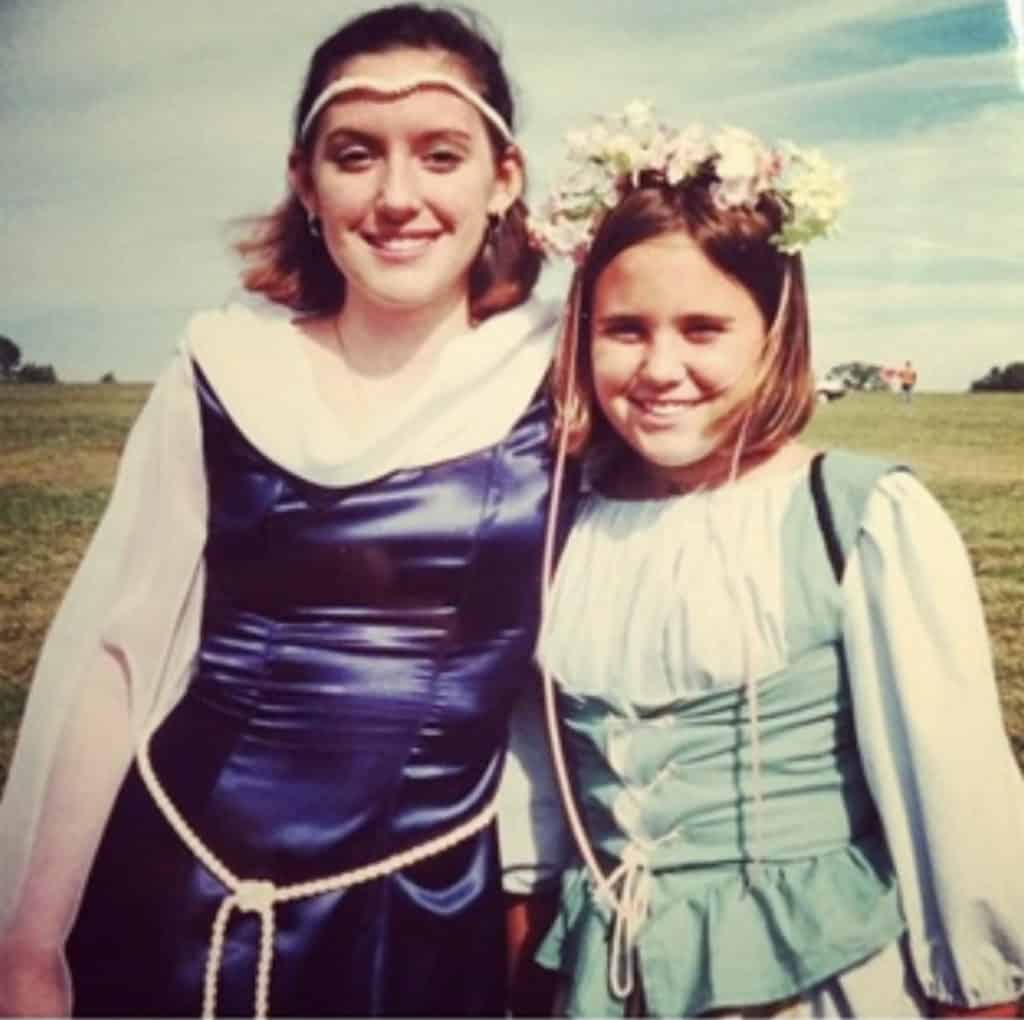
{"x":290,"y":266}
{"x":738,"y":241}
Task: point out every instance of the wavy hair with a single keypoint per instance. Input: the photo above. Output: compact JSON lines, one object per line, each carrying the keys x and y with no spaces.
{"x":290,"y":266}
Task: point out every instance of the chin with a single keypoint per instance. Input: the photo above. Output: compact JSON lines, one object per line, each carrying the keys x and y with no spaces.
{"x":670,"y":455}
{"x":413,"y":295}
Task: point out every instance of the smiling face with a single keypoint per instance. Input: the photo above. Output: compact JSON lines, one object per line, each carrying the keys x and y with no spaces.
{"x":674,"y":345}
{"x":403,"y":186}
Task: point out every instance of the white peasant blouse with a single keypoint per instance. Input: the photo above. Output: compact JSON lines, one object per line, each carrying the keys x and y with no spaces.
{"x":668,"y":618}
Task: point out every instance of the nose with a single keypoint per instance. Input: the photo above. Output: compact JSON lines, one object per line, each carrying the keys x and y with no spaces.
{"x":397,"y":193}
{"x":664,"y":360}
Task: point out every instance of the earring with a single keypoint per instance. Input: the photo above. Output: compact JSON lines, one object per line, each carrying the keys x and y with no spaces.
{"x":313,"y":222}
{"x":495,"y":222}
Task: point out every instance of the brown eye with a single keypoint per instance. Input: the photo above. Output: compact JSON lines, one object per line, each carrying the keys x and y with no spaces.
{"x":622,"y":330}
{"x":443,"y":160}
{"x":703,"y":336}
{"x":352,"y":158}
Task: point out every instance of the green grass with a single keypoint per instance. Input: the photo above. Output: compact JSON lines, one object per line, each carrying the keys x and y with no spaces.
{"x":59,"y":447}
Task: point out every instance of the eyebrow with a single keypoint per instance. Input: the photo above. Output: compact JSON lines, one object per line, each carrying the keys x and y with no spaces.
{"x":620,"y":319}
{"x":453,"y":134}
{"x":693,"y":320}
{"x":696,"y":320}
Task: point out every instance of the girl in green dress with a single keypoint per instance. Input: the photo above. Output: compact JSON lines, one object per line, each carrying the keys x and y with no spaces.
{"x":791,"y":787}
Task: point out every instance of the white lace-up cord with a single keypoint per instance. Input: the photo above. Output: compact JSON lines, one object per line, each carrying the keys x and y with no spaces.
{"x":630,"y":910}
{"x":260,"y":896}
{"x":633,"y":876}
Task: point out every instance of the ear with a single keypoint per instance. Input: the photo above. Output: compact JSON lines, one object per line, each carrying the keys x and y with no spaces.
{"x":509,"y":181}
{"x":301,"y":181}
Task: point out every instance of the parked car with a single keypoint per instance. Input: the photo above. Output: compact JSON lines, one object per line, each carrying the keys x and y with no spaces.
{"x":830,"y":389}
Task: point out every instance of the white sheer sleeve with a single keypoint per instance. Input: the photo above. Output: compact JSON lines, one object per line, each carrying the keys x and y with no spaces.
{"x":115,"y":656}
{"x":934,"y":747}
{"x":534,"y":838}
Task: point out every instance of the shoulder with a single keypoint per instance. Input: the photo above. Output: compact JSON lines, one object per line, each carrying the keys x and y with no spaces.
{"x":234,"y":330}
{"x":884,"y":504}
{"x":849,"y":471}
{"x":847,"y":483}
{"x":246,"y":351}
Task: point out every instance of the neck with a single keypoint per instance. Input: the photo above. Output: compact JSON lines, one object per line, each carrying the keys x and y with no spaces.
{"x":382,"y":341}
{"x":717,"y":469}
{"x":630,"y":477}
{"x":712,"y":471}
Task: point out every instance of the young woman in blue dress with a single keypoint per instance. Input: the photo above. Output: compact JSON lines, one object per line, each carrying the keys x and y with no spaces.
{"x":259,"y":767}
{"x":790,"y":782}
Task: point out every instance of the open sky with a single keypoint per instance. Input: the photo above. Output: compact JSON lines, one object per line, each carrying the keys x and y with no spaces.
{"x":135,"y":131}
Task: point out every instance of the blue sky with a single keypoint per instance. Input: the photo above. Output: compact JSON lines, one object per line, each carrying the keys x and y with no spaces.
{"x":136,"y":130}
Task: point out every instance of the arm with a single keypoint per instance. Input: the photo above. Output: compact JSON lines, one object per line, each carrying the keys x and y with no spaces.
{"x":934,"y":748}
{"x":92,"y":686}
{"x":535,"y":846}
{"x":94,"y":753}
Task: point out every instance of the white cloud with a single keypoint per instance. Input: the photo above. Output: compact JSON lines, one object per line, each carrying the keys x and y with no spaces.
{"x":134,"y":131}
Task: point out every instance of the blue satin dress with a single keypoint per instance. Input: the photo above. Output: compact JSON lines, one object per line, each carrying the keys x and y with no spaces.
{"x":361,"y":648}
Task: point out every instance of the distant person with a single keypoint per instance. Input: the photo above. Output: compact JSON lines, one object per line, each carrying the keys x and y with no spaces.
{"x":908,"y":380}
{"x":259,"y":764}
{"x":795,"y":791}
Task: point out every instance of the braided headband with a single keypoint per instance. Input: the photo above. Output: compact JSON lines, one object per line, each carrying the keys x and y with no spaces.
{"x":394,"y":89}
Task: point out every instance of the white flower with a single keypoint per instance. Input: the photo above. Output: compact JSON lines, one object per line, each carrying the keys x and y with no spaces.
{"x":607,"y":160}
{"x":658,"y":150}
{"x":599,"y":135}
{"x":625,"y":152}
{"x":686,"y":151}
{"x":739,"y":153}
{"x":578,"y":142}
{"x":565,"y":237}
{"x":638,"y":114}
{"x":734,"y":191}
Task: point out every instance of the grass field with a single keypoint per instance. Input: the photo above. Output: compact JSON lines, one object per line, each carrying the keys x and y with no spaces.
{"x":59,"y":447}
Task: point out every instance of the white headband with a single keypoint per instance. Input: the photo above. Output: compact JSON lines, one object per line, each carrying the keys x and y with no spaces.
{"x":340,"y":86}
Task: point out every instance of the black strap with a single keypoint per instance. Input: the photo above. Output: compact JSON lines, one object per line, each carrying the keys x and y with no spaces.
{"x":825,"y":521}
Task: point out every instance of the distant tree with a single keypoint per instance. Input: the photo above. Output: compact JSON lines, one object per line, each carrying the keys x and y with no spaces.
{"x":107,"y":377}
{"x":10,"y":357}
{"x":858,"y":375}
{"x":1002,"y":380}
{"x":33,"y":373}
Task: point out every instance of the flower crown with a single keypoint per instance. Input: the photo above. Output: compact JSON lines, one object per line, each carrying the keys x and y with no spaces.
{"x":606,"y":163}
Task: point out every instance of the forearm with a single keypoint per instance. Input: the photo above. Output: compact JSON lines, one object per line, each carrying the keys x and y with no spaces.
{"x":95,"y":751}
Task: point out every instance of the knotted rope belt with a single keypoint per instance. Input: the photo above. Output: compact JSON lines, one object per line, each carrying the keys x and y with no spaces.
{"x":260,"y":896}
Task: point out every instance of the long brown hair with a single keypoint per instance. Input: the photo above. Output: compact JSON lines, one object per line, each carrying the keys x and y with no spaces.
{"x":290,"y":266}
{"x":738,"y":241}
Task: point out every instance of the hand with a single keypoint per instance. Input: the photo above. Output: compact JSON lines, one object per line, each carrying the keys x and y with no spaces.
{"x":34,"y":979}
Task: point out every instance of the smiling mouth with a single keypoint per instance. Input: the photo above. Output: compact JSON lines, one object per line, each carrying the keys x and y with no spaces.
{"x":663,"y":408}
{"x":400,"y":247}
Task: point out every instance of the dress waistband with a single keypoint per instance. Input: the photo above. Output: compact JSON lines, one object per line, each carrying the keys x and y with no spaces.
{"x":261,"y":895}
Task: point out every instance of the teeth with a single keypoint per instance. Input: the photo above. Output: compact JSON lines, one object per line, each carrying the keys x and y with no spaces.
{"x":402,"y":244}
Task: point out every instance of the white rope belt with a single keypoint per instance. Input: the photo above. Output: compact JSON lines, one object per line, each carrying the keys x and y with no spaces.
{"x":260,"y":896}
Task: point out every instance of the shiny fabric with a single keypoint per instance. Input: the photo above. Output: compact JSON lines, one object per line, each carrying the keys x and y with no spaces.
{"x":361,"y":648}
